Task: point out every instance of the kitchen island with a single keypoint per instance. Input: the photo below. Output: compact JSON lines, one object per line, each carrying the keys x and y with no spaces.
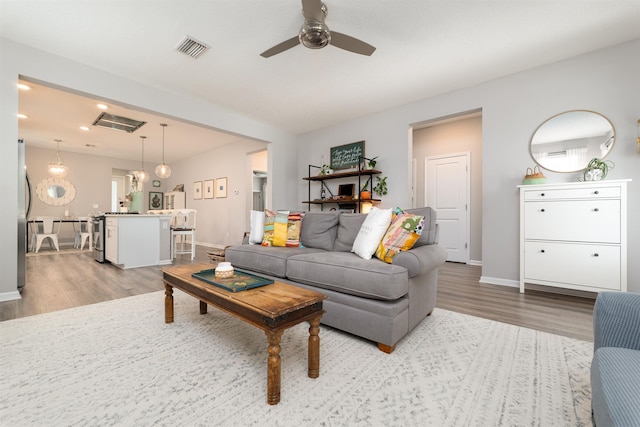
{"x":137,"y":240}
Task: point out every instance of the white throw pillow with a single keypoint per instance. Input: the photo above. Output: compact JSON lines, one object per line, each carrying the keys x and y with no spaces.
{"x":371,"y":232}
{"x":257,"y":227}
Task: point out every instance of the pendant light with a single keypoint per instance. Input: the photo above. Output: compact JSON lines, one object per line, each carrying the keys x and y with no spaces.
{"x":163,"y":171}
{"x":56,"y":167}
{"x":142,"y":175}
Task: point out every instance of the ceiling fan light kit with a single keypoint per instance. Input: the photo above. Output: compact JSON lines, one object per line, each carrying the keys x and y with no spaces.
{"x":163,"y":171}
{"x":315,"y":34}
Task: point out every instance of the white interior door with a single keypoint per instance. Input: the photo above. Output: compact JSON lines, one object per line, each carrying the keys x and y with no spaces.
{"x":447,"y":191}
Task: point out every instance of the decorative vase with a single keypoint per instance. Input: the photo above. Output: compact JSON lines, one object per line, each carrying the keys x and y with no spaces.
{"x":365,"y":195}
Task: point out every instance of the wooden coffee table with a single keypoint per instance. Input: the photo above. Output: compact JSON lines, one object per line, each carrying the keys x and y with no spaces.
{"x":272,"y":308}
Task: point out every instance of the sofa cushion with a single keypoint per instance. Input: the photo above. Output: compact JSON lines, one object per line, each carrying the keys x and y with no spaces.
{"x":402,"y":234}
{"x":261,"y":259}
{"x":615,"y":386}
{"x":349,"y":274}
{"x":428,"y":236}
{"x":371,"y":232}
{"x":319,"y":230}
{"x":348,"y":228}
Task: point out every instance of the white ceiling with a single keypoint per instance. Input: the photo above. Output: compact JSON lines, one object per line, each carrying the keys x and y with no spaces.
{"x":424,"y":48}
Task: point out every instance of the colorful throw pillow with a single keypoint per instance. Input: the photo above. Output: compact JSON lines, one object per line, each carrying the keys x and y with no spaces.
{"x":403,"y":233}
{"x":371,"y":232}
{"x":282,"y":228}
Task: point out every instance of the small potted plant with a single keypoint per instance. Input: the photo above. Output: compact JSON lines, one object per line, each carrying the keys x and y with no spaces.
{"x":369,"y":163}
{"x":326,"y":170}
{"x":381,"y":186}
{"x":597,"y":169}
{"x":365,"y":194}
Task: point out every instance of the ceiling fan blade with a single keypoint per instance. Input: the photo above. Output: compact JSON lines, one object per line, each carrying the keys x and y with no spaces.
{"x":351,"y":44}
{"x":279,"y":48}
{"x":312,"y":10}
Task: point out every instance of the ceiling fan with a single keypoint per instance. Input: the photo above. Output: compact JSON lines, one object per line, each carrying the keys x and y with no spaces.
{"x":315,"y":34}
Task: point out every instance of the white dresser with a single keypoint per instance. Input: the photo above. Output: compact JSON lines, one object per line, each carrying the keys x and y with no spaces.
{"x":574,"y":235}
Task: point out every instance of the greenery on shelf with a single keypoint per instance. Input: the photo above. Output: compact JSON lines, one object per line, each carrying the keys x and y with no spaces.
{"x":371,"y":163}
{"x":381,"y":186}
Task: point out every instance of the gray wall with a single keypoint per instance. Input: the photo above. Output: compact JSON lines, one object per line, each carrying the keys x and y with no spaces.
{"x":606,"y":81}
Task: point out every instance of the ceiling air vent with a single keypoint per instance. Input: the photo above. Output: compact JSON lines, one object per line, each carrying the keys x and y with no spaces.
{"x":192,"y":47}
{"x":109,"y":121}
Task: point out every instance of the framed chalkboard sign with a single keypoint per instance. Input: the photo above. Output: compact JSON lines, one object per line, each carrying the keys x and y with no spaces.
{"x":347,"y":156}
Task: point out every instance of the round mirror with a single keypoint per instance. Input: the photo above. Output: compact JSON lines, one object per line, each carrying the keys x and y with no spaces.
{"x":568,"y":141}
{"x":55,"y":191}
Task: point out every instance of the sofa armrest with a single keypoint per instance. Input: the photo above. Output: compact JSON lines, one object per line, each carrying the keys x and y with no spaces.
{"x":421,"y":259}
{"x":616,"y":320}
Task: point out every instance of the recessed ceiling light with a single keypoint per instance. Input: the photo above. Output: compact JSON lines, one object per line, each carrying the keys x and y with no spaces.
{"x":23,"y":86}
{"x":102,"y":106}
{"x":22,"y":116}
{"x":84,"y":128}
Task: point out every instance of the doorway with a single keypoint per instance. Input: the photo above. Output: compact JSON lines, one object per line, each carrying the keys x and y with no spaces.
{"x":445,"y":137}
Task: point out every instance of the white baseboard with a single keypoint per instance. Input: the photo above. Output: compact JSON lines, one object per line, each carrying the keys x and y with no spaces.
{"x":10,"y":296}
{"x":475,"y":262}
{"x":501,"y":282}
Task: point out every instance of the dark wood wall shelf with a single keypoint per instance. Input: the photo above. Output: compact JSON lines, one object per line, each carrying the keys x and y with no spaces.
{"x":354,"y":203}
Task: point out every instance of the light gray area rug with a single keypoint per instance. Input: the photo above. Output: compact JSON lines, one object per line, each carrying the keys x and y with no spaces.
{"x":118,"y":363}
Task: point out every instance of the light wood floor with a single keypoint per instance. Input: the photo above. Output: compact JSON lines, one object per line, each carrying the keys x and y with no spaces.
{"x":60,"y":281}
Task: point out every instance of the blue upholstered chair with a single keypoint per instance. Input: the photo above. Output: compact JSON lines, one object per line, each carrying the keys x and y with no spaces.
{"x":615,"y":370}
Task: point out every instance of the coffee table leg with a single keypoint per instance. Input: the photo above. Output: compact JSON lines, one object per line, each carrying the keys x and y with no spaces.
{"x":168,"y":303}
{"x":273,"y":367}
{"x":203,"y":307}
{"x":314,"y":347}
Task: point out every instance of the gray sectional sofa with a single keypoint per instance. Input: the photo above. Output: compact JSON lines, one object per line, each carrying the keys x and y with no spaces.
{"x":615,"y":369}
{"x":368,"y":298}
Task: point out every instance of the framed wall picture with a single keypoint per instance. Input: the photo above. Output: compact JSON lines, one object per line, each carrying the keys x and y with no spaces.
{"x":347,"y":156}
{"x":197,"y":190}
{"x":221,"y":187}
{"x":155,"y":200}
{"x":208,"y":189}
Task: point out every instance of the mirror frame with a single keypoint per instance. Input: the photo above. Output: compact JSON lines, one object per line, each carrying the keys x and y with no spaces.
{"x":43,"y":194}
{"x":613,"y":137}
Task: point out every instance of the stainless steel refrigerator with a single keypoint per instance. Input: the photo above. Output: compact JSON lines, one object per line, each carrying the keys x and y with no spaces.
{"x":24,"y":209}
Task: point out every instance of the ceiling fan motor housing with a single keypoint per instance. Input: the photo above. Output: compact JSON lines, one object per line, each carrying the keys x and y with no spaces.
{"x":314,"y":35}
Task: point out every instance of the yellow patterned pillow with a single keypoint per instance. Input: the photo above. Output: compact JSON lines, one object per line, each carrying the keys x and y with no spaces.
{"x":402,"y":234}
{"x":282,"y":228}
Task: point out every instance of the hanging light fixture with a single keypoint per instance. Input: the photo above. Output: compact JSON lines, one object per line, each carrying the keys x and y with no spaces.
{"x":142,"y":175}
{"x":56,"y":167}
{"x":163,"y":171}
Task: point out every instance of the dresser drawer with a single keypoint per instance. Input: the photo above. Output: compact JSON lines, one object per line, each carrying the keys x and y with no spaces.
{"x":595,"y":221}
{"x":573,"y":193}
{"x":576,"y":264}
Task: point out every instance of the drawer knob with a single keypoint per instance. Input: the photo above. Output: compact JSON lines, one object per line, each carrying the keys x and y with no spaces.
{"x":541,"y":194}
{"x":596,"y":192}
{"x":596,"y":255}
{"x":596,"y":210}
{"x":541,"y":251}
{"x":541,"y":210}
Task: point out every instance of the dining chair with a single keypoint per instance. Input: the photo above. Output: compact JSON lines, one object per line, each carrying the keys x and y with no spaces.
{"x":45,"y":227}
{"x":183,"y":224}
{"x":83,"y":232}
